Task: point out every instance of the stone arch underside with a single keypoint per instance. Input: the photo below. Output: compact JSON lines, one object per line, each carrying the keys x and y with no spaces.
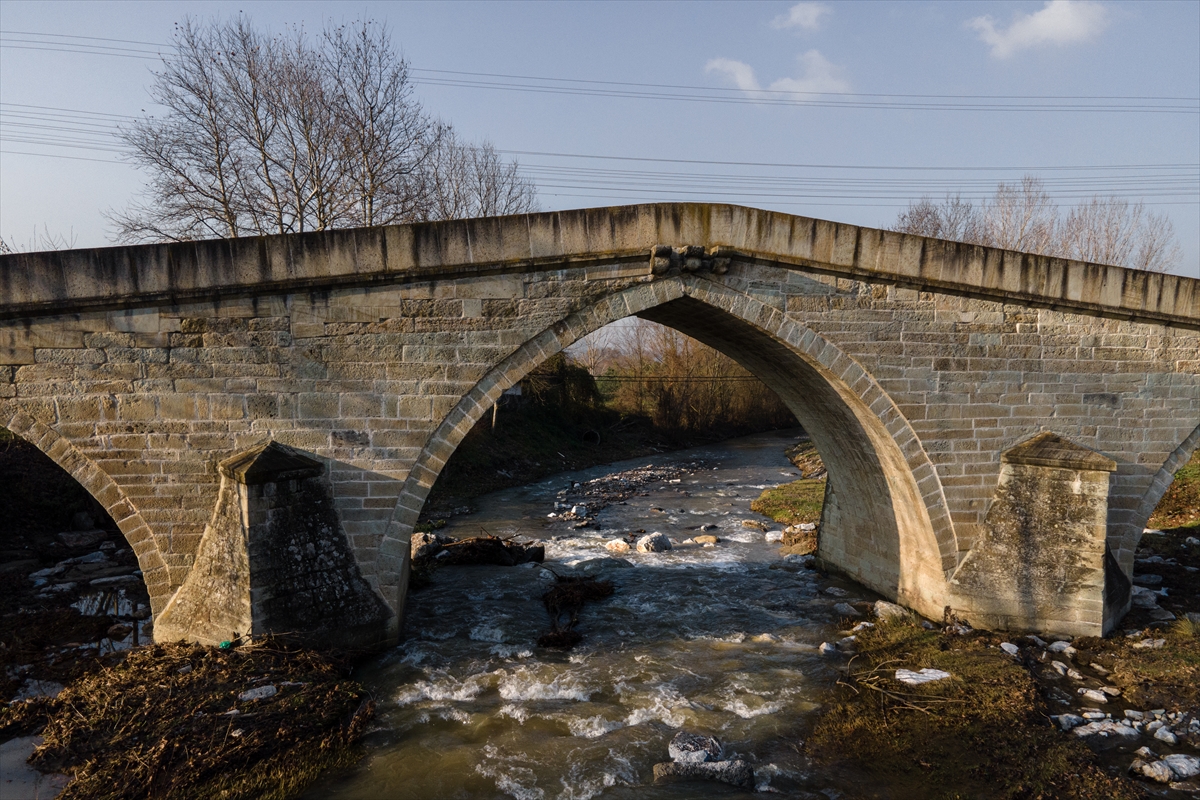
{"x":105,"y":491}
{"x":890,"y":529}
{"x":1154,"y":493}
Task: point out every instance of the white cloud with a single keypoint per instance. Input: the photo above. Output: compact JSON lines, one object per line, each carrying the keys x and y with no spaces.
{"x":817,"y":74}
{"x":802,"y":15}
{"x":1059,"y":22}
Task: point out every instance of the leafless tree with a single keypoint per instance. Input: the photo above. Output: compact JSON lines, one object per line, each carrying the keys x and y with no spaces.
{"x":290,"y":133}
{"x":1106,"y":230}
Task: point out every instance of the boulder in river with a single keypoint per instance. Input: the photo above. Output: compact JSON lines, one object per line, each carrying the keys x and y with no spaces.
{"x":617,"y":546}
{"x":735,"y":772}
{"x":694,"y":748}
{"x":653,"y":543}
{"x":707,"y":538}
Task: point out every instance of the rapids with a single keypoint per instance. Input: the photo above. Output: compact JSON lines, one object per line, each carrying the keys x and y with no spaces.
{"x":720,"y":640}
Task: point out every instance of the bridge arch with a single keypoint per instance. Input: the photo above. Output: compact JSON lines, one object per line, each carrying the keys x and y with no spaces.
{"x":1154,"y":493}
{"x":888,"y":525}
{"x":105,"y":491}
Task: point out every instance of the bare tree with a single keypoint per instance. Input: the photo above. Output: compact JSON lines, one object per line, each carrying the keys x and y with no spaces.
{"x":287,"y":133}
{"x":1024,"y":217}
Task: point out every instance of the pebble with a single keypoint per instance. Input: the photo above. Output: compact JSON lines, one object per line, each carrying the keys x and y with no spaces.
{"x":847,"y":610}
{"x":827,"y":649}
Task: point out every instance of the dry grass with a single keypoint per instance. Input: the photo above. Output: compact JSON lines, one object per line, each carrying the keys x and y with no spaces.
{"x":157,"y":724}
{"x":982,"y":734}
{"x":1180,"y":506}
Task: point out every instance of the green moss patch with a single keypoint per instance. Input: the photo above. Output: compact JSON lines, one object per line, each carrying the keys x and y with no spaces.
{"x":792,"y":503}
{"x":984,"y":733}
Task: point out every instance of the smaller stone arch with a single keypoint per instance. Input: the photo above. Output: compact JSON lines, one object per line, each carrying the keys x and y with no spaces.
{"x":106,"y":492}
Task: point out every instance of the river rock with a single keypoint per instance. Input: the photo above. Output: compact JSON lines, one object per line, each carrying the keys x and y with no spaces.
{"x":593,"y":566}
{"x":426,"y":545}
{"x":1105,"y":728}
{"x":1147,"y":580}
{"x":1010,"y":648}
{"x":890,"y":611}
{"x":1093,"y":695}
{"x":1157,"y":771}
{"x":735,"y":773}
{"x":258,"y":693}
{"x":690,"y":748}
{"x":617,"y":546}
{"x":79,"y":539}
{"x":847,"y":610}
{"x":1068,"y":721}
{"x":1165,"y":734}
{"x":774,"y":537}
{"x":707,"y":538}
{"x":1184,"y":766}
{"x":653,"y":543}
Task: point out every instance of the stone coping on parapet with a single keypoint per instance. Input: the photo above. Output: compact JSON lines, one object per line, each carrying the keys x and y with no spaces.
{"x":70,"y":281}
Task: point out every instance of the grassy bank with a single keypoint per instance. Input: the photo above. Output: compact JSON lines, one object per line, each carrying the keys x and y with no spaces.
{"x":984,"y":733}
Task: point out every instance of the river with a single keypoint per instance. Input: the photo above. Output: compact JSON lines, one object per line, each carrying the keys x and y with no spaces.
{"x":720,"y":640}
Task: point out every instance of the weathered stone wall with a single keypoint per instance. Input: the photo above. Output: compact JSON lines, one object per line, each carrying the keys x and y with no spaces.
{"x":379,"y":370}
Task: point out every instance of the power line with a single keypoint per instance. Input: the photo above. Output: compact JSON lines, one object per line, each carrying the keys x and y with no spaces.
{"x":682,"y":92}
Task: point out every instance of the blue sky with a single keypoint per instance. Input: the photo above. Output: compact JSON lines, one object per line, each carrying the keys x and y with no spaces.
{"x":851,"y":163}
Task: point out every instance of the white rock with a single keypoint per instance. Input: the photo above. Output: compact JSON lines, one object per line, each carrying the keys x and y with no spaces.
{"x":847,"y":643}
{"x":653,"y":543}
{"x":1164,"y":734}
{"x":1111,"y":691}
{"x":617,"y":546}
{"x":1058,"y":647}
{"x":806,"y":526}
{"x":889,"y":611}
{"x":1105,"y":728}
{"x":1146,"y":752}
{"x":925,"y":675}
{"x":774,"y":536}
{"x":1036,"y":640}
{"x":1068,"y":721}
{"x":1184,"y":766}
{"x":258,"y":693}
{"x":862,"y":626}
{"x":579,"y":510}
{"x":1158,"y":771}
{"x":1094,"y":695}
{"x":1074,"y":675}
{"x":1131,"y":714}
{"x":1150,"y":644}
{"x":1059,"y":667}
{"x":1010,"y":648}
{"x":827,"y":649}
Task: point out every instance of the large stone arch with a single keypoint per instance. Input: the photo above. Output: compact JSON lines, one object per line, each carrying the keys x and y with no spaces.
{"x":106,"y":492}
{"x":903,"y":545}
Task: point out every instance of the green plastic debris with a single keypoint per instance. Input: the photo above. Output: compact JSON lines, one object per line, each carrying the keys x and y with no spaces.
{"x":226,"y":645}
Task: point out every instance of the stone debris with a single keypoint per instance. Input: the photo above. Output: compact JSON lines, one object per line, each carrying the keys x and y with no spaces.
{"x":587,"y":499}
{"x":258,"y":693}
{"x":925,"y":675}
{"x":1068,"y":721}
{"x":1093,"y":695}
{"x":1010,"y":648}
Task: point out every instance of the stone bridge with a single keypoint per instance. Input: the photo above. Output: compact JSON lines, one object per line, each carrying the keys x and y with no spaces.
{"x":264,"y":417}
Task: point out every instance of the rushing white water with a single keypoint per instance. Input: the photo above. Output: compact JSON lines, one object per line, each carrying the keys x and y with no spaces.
{"x":720,"y":640}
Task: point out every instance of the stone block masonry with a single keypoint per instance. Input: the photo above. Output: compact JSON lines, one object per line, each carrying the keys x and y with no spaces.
{"x":915,"y":364}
